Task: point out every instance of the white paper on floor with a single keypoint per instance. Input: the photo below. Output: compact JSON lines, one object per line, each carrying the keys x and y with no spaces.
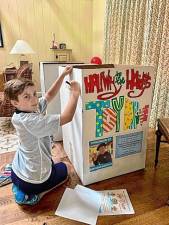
{"x":85,"y":205}
{"x":77,"y":205}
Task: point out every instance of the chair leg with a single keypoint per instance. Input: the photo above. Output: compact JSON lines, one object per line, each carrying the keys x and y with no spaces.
{"x":168,"y":202}
{"x":158,"y":139}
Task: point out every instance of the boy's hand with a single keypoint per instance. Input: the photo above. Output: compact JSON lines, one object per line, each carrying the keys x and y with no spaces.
{"x":75,"y":87}
{"x":67,"y":70}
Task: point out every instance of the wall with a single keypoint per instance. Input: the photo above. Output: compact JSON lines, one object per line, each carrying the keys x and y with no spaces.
{"x":98,"y":27}
{"x":36,"y":20}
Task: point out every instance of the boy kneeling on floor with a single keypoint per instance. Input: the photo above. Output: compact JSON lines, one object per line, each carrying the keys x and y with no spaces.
{"x":33,"y":171}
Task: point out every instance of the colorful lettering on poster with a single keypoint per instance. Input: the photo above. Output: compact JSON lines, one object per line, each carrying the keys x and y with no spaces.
{"x":128,"y":114}
{"x":108,"y":86}
{"x":117,"y":106}
{"x":101,"y":82}
{"x":108,"y":114}
{"x":144,"y":114}
{"x":109,"y":119}
{"x":99,"y":107}
{"x":138,"y":81}
{"x":131,"y":114}
{"x":136,"y":116}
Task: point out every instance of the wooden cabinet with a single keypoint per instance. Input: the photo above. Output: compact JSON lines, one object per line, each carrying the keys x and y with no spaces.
{"x":10,"y":73}
{"x":25,"y":71}
{"x":6,"y":108}
{"x":1,"y":82}
{"x":62,"y":55}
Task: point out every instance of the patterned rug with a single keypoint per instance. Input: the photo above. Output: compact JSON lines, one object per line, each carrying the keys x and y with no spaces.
{"x":8,"y":137}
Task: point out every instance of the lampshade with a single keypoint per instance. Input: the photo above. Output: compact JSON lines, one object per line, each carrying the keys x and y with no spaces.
{"x":22,"y":47}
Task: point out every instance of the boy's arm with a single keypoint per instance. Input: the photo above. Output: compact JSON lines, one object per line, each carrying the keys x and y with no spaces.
{"x":70,"y":108}
{"x":53,"y":90}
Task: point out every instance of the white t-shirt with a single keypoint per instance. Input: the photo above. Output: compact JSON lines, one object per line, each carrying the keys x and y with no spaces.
{"x":32,"y":161}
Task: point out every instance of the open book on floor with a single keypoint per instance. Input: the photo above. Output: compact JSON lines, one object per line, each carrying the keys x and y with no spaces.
{"x":85,"y":205}
{"x":5,"y":175}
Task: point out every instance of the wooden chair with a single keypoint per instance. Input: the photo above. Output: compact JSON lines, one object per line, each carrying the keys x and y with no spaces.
{"x":162,"y":130}
{"x":25,"y":71}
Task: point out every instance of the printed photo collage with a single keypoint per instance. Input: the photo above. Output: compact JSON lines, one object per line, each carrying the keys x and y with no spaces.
{"x":104,"y":151}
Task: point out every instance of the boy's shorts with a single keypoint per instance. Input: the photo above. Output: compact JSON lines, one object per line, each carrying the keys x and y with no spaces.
{"x":58,"y":175}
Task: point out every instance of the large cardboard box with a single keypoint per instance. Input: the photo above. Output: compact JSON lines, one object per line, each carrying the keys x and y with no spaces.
{"x":107,"y":136}
{"x":49,"y":72}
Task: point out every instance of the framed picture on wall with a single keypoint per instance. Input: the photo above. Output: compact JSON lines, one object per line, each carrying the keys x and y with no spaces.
{"x":1,"y":40}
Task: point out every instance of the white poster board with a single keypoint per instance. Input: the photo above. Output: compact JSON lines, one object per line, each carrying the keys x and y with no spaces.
{"x":49,"y":72}
{"x":107,"y":136}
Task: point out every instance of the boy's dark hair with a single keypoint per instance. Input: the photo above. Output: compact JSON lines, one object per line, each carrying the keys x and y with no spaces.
{"x":15,"y":87}
{"x":101,"y":145}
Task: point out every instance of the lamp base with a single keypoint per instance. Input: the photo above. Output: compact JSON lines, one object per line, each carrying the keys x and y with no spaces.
{"x":23,"y":63}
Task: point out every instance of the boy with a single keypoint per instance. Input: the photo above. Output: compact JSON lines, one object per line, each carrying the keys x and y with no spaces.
{"x":33,"y":171}
{"x":103,"y":155}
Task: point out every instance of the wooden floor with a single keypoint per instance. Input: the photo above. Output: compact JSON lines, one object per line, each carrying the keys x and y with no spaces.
{"x":148,"y":190}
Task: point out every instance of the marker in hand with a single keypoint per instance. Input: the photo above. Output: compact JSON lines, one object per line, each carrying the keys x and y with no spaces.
{"x":67,"y":82}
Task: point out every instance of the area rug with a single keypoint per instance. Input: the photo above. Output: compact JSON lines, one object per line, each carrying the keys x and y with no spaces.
{"x":8,"y":137}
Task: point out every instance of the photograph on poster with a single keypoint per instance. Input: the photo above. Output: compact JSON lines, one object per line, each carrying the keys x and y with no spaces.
{"x":128,"y":144}
{"x":100,"y":153}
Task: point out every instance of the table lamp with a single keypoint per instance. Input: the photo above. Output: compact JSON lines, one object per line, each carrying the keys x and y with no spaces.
{"x":22,"y":48}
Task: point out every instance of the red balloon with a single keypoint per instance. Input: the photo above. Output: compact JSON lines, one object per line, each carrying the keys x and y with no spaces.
{"x":96,"y":60}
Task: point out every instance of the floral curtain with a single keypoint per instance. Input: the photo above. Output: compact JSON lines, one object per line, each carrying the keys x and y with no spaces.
{"x":136,"y":33}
